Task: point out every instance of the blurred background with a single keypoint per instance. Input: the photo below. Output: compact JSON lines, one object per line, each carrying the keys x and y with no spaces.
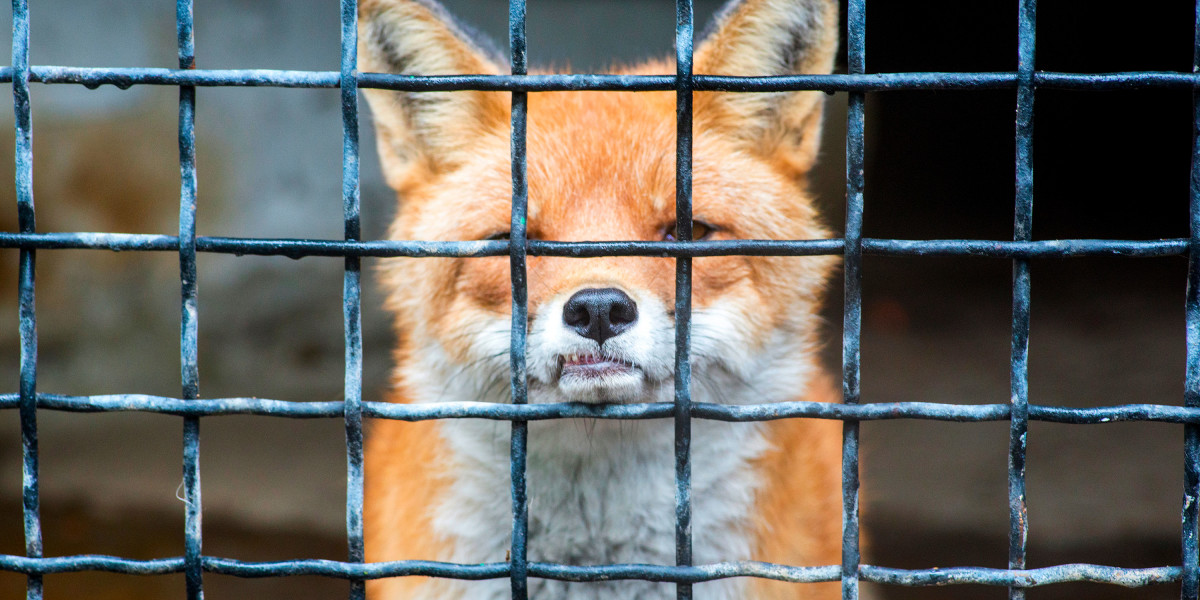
{"x":939,"y":165}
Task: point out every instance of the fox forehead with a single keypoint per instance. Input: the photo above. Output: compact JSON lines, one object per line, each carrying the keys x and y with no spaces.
{"x":601,"y":166}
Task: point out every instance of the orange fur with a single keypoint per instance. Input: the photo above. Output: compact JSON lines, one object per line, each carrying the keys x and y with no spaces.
{"x":804,"y":462}
{"x":402,"y":454}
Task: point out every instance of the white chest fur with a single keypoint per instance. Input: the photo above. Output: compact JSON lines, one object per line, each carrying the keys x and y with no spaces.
{"x":609,"y":499}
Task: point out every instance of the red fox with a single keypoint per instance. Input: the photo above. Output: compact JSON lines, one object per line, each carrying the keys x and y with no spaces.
{"x":601,"y":166}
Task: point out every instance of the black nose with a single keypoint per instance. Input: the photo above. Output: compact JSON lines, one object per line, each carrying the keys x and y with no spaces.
{"x":600,"y":313}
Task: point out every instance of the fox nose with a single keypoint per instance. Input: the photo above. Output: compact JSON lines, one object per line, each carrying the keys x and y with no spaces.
{"x":600,"y":313}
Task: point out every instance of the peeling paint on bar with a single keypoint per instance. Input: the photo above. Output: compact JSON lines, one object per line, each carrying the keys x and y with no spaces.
{"x":26,"y":306}
{"x":1138,"y":577}
{"x":302,"y":248}
{"x":125,"y":78}
{"x":535,"y":412}
{"x":352,"y":405}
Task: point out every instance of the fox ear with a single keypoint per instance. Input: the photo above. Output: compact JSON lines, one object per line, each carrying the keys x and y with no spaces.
{"x":432,"y":130}
{"x":761,"y":38}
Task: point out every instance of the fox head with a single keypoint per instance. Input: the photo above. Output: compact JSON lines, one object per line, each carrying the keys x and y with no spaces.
{"x":601,"y":166}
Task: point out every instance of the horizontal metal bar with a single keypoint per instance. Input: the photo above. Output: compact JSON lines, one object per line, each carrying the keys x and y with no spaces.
{"x":1019,"y":578}
{"x":661,"y":573}
{"x":91,"y":562}
{"x":300,"y":248}
{"x":686,"y":249}
{"x":518,"y":83}
{"x":205,"y":407}
{"x":349,"y":248}
{"x":1009,"y":249}
{"x":872,"y":82}
{"x":685,"y":574}
{"x":1116,"y":81}
{"x":884,"y":82}
{"x":126,"y":78}
{"x":116,"y":242}
{"x":291,"y":248}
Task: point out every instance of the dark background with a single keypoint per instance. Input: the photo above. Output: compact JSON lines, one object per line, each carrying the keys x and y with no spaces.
{"x":939,"y":165}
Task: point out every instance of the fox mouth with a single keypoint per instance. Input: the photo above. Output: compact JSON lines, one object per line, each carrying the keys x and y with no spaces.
{"x":593,"y":377}
{"x":593,"y":367}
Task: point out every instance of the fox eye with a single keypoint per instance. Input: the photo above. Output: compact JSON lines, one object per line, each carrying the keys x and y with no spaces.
{"x":504,"y":236}
{"x":700,"y":231}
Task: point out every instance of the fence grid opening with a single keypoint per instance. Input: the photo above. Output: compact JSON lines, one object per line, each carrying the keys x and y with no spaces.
{"x":857,"y":83}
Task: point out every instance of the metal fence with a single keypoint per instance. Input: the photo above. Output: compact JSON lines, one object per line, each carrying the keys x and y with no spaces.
{"x":852,"y":246}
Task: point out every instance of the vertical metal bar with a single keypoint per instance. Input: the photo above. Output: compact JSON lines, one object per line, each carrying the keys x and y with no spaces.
{"x":518,"y":558}
{"x":23,"y":180}
{"x":1022,"y":231}
{"x":684,"y":39}
{"x":1191,"y":397}
{"x":856,"y":24}
{"x":193,"y":569}
{"x":352,"y":295}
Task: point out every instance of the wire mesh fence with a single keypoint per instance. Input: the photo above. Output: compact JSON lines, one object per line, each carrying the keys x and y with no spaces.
{"x":856,"y":83}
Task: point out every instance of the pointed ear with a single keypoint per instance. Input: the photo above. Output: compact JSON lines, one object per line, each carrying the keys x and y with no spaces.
{"x":430,"y":130}
{"x":761,"y":38}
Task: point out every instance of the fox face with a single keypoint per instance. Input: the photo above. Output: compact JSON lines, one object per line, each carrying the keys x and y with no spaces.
{"x":601,"y":166}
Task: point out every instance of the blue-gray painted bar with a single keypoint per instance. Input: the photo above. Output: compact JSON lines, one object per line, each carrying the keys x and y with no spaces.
{"x":125,"y":78}
{"x":1022,"y":232}
{"x":302,"y":248}
{"x":684,"y":38}
{"x":1190,"y":513}
{"x":1136,"y":577}
{"x":518,"y":556}
{"x":23,"y":180}
{"x":352,"y":296}
{"x":983,"y":248}
{"x":856,"y":24}
{"x":965,"y":413}
{"x":189,"y":313}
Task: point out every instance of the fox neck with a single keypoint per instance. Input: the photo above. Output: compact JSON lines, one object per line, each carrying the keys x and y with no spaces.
{"x":602,"y":491}
{"x":613,"y":503}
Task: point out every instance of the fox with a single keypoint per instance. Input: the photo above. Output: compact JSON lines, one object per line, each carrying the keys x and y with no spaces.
{"x":601,"y":166}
